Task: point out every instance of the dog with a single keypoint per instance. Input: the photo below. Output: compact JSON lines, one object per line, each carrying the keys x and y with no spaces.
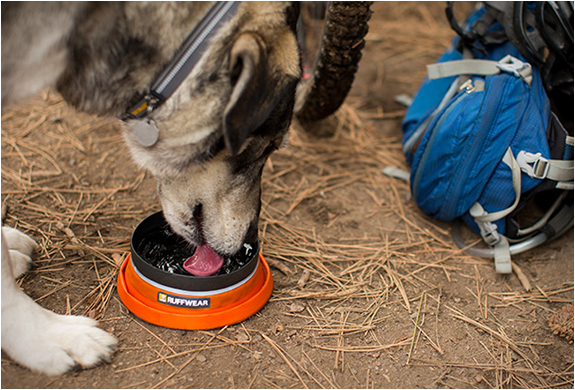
{"x":209,"y":139}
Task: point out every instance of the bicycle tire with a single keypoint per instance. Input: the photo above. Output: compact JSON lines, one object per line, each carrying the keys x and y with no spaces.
{"x":332,"y":72}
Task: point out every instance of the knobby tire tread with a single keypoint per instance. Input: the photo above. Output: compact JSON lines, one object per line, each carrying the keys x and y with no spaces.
{"x":340,"y":53}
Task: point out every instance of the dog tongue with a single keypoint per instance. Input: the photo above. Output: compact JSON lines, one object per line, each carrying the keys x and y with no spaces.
{"x":204,"y":261}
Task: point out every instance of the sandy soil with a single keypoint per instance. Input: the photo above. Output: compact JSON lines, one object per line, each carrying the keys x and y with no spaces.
{"x":368,"y":291}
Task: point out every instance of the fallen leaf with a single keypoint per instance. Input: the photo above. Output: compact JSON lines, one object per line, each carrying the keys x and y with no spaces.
{"x":118,"y":258}
{"x":296,"y":308}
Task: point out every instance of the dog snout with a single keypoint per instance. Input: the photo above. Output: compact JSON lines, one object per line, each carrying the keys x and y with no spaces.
{"x":252,"y":232}
{"x":197,"y":223}
{"x":196,"y":219}
{"x":192,"y":221}
{"x":210,"y":205}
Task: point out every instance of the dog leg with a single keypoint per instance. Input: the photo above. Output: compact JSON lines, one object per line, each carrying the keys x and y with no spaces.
{"x":20,"y":246}
{"x":44,"y":341}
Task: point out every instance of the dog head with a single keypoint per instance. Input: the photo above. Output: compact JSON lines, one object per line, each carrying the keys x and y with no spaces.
{"x":218,"y":129}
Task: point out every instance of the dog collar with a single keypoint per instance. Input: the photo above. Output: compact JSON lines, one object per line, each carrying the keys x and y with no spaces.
{"x":178,"y":69}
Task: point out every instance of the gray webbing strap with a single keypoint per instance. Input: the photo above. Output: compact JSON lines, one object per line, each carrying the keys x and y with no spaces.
{"x":537,"y":166}
{"x":507,"y":64}
{"x":456,"y":68}
{"x":477,"y":210}
{"x":489,"y":230}
{"x":502,"y":257}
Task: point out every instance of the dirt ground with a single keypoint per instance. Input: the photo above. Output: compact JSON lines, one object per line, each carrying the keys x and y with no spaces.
{"x":368,"y":293}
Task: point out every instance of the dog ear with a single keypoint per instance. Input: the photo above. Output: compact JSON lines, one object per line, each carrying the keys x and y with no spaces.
{"x":250,"y":102}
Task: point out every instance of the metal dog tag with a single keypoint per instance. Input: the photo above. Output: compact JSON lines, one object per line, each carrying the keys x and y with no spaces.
{"x":146,"y":132}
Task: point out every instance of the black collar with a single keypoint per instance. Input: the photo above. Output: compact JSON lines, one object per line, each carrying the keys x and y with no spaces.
{"x":188,"y":56}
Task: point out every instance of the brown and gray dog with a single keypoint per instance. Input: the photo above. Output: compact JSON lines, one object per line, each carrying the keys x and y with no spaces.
{"x":214,"y":133}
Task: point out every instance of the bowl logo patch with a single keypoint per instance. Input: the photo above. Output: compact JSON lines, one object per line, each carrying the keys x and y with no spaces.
{"x":192,"y":303}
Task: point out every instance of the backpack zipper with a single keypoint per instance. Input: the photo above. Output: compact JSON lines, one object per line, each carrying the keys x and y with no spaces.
{"x":408,"y":146}
{"x":425,"y":155}
{"x":465,"y":89}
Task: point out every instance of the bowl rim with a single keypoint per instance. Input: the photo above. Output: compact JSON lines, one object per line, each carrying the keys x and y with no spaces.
{"x":178,"y":281}
{"x":195,"y":319}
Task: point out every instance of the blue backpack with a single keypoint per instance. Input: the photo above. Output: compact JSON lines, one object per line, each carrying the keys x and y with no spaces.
{"x":483,"y":142}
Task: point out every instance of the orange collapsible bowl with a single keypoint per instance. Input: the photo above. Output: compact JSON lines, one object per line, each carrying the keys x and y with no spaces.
{"x":190,"y":302}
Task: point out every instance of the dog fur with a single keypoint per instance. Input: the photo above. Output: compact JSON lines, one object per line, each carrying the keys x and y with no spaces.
{"x":216,"y":131}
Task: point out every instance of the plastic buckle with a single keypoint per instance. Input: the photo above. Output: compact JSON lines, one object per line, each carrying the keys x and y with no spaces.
{"x":489,"y":232}
{"x":541,"y":168}
{"x":510,"y":64}
{"x":518,"y":68}
{"x":534,"y":165}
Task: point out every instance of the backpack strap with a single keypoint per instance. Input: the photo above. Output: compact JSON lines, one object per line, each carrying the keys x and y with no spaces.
{"x":477,"y":210}
{"x":502,"y":256}
{"x":459,"y":67}
{"x":538,"y":167}
{"x":501,"y":249}
{"x":557,"y":225}
{"x":489,"y":230}
{"x":507,"y":64}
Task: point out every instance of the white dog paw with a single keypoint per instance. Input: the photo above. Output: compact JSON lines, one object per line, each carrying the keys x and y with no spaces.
{"x":21,"y":247}
{"x":76,"y":340}
{"x":53,"y":344}
{"x":21,"y":263}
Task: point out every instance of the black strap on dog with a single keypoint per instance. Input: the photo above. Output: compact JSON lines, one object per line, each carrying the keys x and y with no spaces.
{"x":188,"y":56}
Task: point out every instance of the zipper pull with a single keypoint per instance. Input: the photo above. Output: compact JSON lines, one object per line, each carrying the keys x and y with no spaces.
{"x":467,"y":86}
